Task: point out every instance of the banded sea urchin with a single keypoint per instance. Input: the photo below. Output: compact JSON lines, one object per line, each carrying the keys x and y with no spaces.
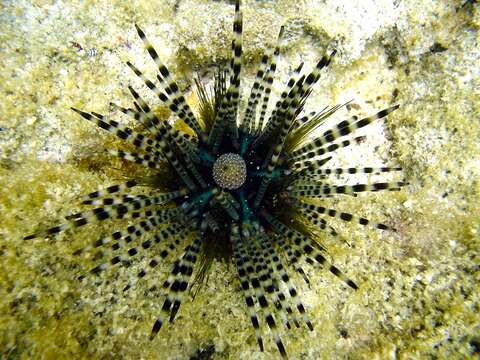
{"x":239,"y":187}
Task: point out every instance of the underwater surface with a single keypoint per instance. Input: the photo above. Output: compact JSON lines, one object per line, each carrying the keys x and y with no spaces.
{"x":418,"y":293}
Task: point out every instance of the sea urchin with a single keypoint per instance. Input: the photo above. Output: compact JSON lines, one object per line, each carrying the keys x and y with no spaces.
{"x":239,"y":187}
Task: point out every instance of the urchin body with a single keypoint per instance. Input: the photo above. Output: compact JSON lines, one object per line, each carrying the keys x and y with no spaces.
{"x":239,"y":189}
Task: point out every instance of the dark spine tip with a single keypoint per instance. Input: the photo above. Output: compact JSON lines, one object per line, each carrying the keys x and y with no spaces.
{"x":282,"y":350}
{"x":299,"y":68}
{"x":139,"y":31}
{"x":132,"y":90}
{"x":156,"y":328}
{"x":352,"y":284}
{"x":260,"y":344}
{"x":82,"y":113}
{"x":30,"y":237}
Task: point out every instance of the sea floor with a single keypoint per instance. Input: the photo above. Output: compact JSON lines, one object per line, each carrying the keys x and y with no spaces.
{"x":419,"y":293}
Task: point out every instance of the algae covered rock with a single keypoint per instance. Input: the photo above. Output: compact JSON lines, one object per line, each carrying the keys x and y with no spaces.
{"x":418,"y":287}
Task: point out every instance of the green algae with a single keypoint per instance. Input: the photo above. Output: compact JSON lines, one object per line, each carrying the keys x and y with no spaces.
{"x":418,"y":296}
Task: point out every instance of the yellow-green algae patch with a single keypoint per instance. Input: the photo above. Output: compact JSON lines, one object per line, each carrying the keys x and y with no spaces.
{"x":418,"y":293}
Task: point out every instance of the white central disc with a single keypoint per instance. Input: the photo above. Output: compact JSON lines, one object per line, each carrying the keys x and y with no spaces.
{"x":229,"y":171}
